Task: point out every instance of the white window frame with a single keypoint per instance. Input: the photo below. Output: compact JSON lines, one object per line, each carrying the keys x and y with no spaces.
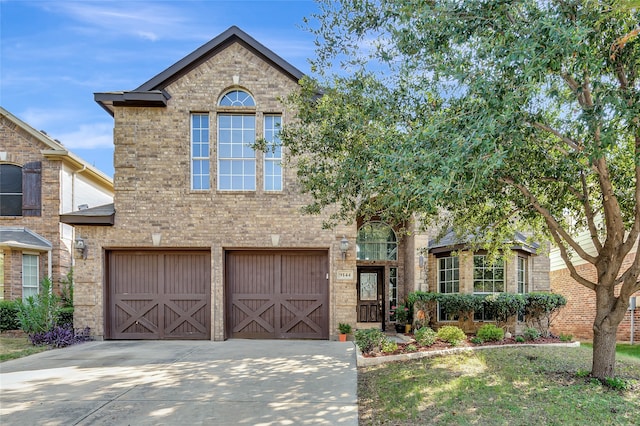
{"x":454,"y":269}
{"x":480,"y":316}
{"x":240,"y":165}
{"x":273,"y":153}
{"x":30,"y":275}
{"x":200,"y":157}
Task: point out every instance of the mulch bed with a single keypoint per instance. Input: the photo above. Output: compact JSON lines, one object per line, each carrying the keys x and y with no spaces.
{"x":440,"y":345}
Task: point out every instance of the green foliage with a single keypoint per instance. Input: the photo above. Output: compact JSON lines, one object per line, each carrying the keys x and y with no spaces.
{"x":9,"y":315}
{"x":616,"y":383}
{"x":369,"y":340}
{"x":490,"y":332}
{"x":65,"y":317}
{"x":451,"y":334}
{"x":582,"y":373}
{"x":401,"y":313}
{"x":344,"y":328}
{"x":39,"y":313}
{"x":519,"y":339}
{"x":566,"y":337}
{"x":388,"y":346}
{"x":460,"y":305}
{"x":476,"y":340}
{"x":503,"y":306}
{"x":531,"y":334}
{"x":541,"y":309}
{"x":66,"y":290}
{"x":425,"y":336}
{"x":411,"y":348}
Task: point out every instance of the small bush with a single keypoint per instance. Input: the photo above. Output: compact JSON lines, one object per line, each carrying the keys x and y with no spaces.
{"x":344,"y":328}
{"x":369,"y":340}
{"x":491,"y":333}
{"x":425,"y":336}
{"x":583,"y":373}
{"x":411,"y":348}
{"x":519,"y":339}
{"x":60,"y":337}
{"x":451,"y":334}
{"x":616,"y":383}
{"x":476,"y":340}
{"x":38,"y":314}
{"x":65,"y":317}
{"x":9,"y":315}
{"x":566,"y":337}
{"x":531,"y":334}
{"x":389,"y":346}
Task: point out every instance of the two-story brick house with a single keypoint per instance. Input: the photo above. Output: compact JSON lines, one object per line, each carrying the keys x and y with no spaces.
{"x":39,"y":180}
{"x":206,"y":238}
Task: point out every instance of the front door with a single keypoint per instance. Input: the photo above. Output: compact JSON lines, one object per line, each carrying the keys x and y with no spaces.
{"x":370,"y":303}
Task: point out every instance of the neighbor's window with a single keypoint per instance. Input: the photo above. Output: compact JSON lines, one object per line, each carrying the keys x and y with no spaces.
{"x":376,"y":241}
{"x":273,"y":153}
{"x":10,"y":190}
{"x":29,"y":275}
{"x":236,"y":135}
{"x":487,"y":278}
{"x":448,"y":282}
{"x":200,"y":152}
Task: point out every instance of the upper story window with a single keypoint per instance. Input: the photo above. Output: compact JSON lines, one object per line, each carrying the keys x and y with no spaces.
{"x":200,"y":152}
{"x":376,"y":241}
{"x":273,"y":153}
{"x":20,"y":189}
{"x":237,"y":98}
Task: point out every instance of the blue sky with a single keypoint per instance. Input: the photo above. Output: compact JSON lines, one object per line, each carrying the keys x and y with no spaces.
{"x":55,"y":54}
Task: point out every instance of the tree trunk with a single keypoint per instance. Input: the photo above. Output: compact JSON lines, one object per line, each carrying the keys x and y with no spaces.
{"x":604,"y":352}
{"x":609,"y":313}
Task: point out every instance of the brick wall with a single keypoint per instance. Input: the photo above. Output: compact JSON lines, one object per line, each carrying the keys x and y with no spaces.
{"x":578,"y":315}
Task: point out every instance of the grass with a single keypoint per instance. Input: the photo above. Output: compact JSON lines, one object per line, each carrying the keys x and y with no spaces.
{"x":506,"y":386}
{"x":624,"y":349}
{"x":17,"y":347}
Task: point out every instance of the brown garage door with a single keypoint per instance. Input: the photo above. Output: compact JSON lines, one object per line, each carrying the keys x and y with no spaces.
{"x":158,"y":295}
{"x":277,"y":295}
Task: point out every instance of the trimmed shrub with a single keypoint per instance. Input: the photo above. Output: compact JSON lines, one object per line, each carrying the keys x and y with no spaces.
{"x":451,"y":334}
{"x":425,"y":336}
{"x":9,"y":315}
{"x":388,"y":346}
{"x":531,"y":334}
{"x":503,"y":306}
{"x":460,"y":305}
{"x":59,"y":337}
{"x":369,"y":340}
{"x":476,"y":340}
{"x":490,"y":332}
{"x":519,"y":339}
{"x":541,"y":309}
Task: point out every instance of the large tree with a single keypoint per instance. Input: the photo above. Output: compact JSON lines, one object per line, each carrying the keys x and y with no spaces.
{"x":506,"y":114}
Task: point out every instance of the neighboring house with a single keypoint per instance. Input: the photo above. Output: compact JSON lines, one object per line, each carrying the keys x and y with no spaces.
{"x":578,"y":315}
{"x":206,"y":238}
{"x":39,"y":180}
{"x":453,"y":268}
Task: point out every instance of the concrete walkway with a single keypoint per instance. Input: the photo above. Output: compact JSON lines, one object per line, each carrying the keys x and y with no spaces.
{"x":237,"y":382}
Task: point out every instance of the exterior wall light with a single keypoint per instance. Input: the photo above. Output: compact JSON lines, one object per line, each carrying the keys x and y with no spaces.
{"x":344,"y":246}
{"x":81,"y":245}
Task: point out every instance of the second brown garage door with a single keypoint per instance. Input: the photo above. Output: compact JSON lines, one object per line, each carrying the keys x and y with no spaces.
{"x":277,"y":295}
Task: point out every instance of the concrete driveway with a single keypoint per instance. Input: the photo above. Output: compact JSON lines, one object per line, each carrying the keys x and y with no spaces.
{"x":237,"y":382}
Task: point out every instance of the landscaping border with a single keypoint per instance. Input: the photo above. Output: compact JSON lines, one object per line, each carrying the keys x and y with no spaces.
{"x":362,"y":361}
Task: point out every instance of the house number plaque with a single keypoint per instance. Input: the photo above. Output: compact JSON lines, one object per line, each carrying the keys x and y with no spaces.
{"x":345,"y":275}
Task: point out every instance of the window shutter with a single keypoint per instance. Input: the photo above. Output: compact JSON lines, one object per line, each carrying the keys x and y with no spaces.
{"x":32,"y":189}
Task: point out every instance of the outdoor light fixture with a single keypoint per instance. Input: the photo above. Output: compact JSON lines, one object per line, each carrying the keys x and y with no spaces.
{"x":81,"y":245}
{"x":344,"y":246}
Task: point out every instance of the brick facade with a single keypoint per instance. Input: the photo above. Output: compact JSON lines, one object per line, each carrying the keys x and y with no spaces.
{"x":577,"y":316}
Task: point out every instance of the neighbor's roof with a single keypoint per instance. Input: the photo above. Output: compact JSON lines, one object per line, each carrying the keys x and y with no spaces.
{"x":23,"y":238}
{"x":153,"y":93}
{"x":451,"y":241}
{"x":57,"y":151}
{"x":101,"y":215}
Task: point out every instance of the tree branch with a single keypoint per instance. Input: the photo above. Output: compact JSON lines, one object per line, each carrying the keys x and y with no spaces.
{"x":553,"y":224}
{"x":567,"y":261}
{"x":572,"y":144}
{"x":589,"y":214}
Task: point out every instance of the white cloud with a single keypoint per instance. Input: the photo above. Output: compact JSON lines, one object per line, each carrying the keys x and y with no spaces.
{"x":88,"y":136}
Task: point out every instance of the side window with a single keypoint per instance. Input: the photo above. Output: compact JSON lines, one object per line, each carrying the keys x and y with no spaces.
{"x":10,"y":190}
{"x":29,"y":275}
{"x":448,"y":282}
{"x":200,"y":152}
{"x":273,"y":153}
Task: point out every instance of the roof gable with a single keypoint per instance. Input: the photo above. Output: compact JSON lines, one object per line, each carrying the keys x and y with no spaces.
{"x":153,"y":94}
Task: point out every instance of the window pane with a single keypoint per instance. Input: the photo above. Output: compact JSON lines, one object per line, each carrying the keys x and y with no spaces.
{"x":200,"y":151}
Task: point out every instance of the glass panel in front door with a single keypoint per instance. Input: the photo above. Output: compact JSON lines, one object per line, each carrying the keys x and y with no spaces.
{"x":369,"y":286}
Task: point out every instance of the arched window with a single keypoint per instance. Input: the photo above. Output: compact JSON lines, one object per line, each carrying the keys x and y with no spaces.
{"x":376,"y":241}
{"x":237,"y":98}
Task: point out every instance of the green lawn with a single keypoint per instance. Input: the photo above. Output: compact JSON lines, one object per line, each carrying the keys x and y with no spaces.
{"x":17,"y":347}
{"x":624,"y":349}
{"x":506,"y":386}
